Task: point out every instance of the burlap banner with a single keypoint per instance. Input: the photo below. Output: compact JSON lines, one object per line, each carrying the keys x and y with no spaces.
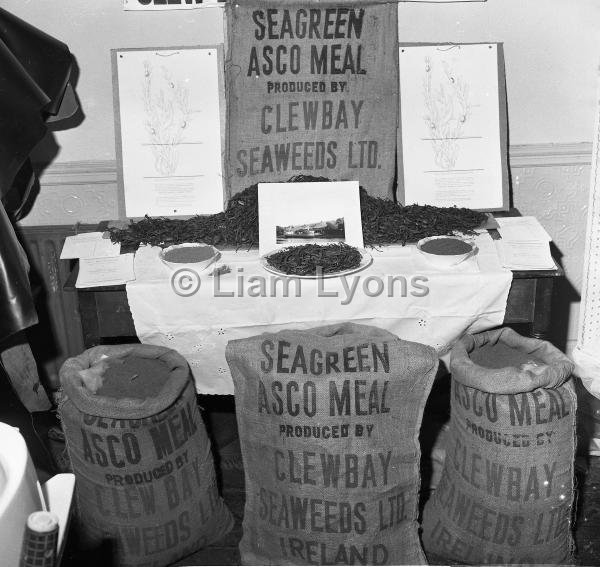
{"x":312,"y":90}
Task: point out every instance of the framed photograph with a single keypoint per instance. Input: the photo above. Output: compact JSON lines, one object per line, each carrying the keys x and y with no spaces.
{"x":452,"y":140}
{"x":168,"y":118}
{"x":291,"y":214}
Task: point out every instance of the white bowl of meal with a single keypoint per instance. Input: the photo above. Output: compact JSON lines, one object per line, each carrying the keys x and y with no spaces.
{"x":445,"y":251}
{"x":191,"y":255}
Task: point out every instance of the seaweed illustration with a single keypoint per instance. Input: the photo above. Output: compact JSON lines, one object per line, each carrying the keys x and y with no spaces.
{"x":168,"y":114}
{"x":448,"y":110}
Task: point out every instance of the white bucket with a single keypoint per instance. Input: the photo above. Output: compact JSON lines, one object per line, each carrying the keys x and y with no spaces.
{"x":19,"y":494}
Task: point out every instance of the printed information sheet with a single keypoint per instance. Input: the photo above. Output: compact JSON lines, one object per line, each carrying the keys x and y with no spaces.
{"x":169,"y":119}
{"x":450,"y":125}
{"x":116,"y":270}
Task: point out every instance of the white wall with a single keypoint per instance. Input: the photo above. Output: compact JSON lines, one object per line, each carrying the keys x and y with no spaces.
{"x":91,"y":28}
{"x":552,"y":49}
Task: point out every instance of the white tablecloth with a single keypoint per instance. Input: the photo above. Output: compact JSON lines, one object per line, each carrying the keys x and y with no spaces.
{"x":469,"y":297}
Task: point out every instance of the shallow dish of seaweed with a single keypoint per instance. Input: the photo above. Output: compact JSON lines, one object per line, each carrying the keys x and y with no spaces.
{"x":446,"y":251}
{"x":311,"y":261}
{"x":189,"y":255}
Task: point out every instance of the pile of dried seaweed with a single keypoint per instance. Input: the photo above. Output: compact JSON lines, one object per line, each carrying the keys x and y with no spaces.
{"x":237,"y":226}
{"x":306,"y":259}
{"x":383,"y":222}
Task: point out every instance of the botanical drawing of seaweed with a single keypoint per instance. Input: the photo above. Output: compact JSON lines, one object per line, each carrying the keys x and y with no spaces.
{"x":448,"y":110}
{"x":168,"y":114}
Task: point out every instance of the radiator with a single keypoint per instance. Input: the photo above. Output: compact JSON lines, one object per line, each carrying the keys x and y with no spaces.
{"x":58,"y":334}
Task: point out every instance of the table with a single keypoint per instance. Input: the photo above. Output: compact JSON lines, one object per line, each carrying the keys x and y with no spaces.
{"x":106,"y":316}
{"x":469,"y":298}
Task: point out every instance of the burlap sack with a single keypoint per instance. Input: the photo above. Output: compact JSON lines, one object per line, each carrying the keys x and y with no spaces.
{"x":312,"y":90}
{"x":329,"y":421}
{"x":145,"y":475}
{"x":506,"y":490}
{"x":588,"y":422}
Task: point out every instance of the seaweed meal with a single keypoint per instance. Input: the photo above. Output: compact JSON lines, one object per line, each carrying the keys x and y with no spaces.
{"x":446,"y":247}
{"x":189,"y":254}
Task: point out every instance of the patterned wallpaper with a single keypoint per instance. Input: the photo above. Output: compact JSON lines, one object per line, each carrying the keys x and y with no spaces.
{"x":549,"y":181}
{"x":84,"y":192}
{"x":555,"y":190}
{"x":558,"y":197}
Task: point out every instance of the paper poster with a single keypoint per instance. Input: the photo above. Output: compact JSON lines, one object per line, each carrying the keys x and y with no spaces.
{"x":452,"y":147}
{"x":148,"y":5}
{"x":291,"y":214}
{"x":168,"y":118}
{"x":312,"y":90}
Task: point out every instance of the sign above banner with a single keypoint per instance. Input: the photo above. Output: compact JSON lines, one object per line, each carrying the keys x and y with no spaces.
{"x":440,"y":1}
{"x":148,"y":5}
{"x":332,"y":3}
{"x":312,"y":90}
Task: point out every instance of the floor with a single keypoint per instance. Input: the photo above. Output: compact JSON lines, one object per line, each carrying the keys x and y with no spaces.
{"x":48,"y":454}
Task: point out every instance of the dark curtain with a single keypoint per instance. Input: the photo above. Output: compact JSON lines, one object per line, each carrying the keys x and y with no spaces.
{"x":34,"y":76}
